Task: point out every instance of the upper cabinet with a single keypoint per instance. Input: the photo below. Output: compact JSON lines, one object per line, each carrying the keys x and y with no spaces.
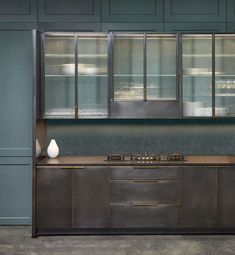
{"x":75,"y":75}
{"x":144,"y":80}
{"x":195,"y":11}
{"x":132,"y":11}
{"x":230,"y":11}
{"x":18,"y":11}
{"x":69,"y":10}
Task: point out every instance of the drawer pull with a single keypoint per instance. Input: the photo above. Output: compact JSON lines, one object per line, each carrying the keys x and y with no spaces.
{"x":145,"y":181}
{"x":146,"y":167}
{"x":144,"y":205}
{"x":62,"y":167}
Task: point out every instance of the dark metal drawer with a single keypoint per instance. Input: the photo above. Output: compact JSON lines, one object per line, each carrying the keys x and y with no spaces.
{"x":144,"y":215}
{"x":129,"y":173}
{"x":162,"y":191}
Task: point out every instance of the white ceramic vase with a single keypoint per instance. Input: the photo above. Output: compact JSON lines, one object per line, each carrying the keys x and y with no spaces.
{"x":53,"y":149}
{"x":38,"y":148}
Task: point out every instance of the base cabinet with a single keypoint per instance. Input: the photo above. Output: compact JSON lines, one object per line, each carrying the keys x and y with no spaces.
{"x":199,"y":197}
{"x":100,"y":198}
{"x":90,"y":197}
{"x":226,"y":196}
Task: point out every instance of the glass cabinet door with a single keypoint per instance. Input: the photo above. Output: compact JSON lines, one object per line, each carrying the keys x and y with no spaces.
{"x":197,"y":75}
{"x":161,"y":66}
{"x":225,"y":75}
{"x":92,"y":80}
{"x":59,"y":61}
{"x":128,"y":60}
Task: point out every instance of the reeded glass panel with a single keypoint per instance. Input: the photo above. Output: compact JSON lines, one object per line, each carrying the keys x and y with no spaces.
{"x":197,"y":75}
{"x":92,"y":76}
{"x":161,"y":67}
{"x":225,"y":75}
{"x":128,"y":67}
{"x":59,"y":75}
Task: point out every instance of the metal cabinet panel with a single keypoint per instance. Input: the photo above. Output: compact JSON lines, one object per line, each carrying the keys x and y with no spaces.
{"x":130,"y":27}
{"x":54,"y":198}
{"x":226,"y":196}
{"x":132,"y":11}
{"x":194,"y":27}
{"x":127,"y":173}
{"x":16,"y":93}
{"x":69,"y":11}
{"x":195,"y":11}
{"x":199,"y":196}
{"x":18,"y":11}
{"x":90,"y":197}
{"x":15,"y":190}
{"x":160,"y":191}
{"x":144,"y":215}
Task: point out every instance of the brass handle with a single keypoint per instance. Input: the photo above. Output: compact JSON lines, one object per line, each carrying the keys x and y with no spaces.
{"x":146,"y":181}
{"x":62,"y":167}
{"x":145,"y":167}
{"x":144,"y":205}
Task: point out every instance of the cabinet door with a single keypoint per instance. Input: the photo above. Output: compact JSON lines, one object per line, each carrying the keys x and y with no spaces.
{"x":18,"y":11}
{"x":132,"y":11}
{"x":195,"y":11}
{"x":226,"y":196}
{"x":16,"y":93}
{"x":224,"y":75}
{"x":54,"y":198}
{"x":197,"y":75}
{"x":230,"y":10}
{"x":15,"y":190}
{"x":69,"y":11}
{"x":199,"y":197}
{"x":90,"y":197}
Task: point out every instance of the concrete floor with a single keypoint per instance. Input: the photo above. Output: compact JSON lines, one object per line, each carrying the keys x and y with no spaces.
{"x":18,"y":241}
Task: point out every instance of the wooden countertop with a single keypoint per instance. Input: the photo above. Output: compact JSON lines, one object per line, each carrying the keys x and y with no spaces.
{"x":191,"y":160}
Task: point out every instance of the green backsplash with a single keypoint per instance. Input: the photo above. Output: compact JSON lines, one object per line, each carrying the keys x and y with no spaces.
{"x":98,"y":137}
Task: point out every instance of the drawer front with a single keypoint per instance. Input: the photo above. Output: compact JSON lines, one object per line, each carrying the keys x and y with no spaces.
{"x":129,"y":173}
{"x":162,"y":191}
{"x":140,"y":215}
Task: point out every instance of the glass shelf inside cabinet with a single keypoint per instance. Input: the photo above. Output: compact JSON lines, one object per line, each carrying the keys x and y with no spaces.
{"x":161,"y":66}
{"x":92,"y":55}
{"x":197,"y":75}
{"x":59,"y":59}
{"x":128,"y":67}
{"x":225,"y":82}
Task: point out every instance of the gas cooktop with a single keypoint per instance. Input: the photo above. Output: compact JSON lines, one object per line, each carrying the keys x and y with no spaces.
{"x":146,"y":157}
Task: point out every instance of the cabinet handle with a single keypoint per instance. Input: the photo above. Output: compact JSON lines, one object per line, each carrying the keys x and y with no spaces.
{"x":145,"y":167}
{"x":62,"y":167}
{"x":144,"y":205}
{"x":146,"y":181}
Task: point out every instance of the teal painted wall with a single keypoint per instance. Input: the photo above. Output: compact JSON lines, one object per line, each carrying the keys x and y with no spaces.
{"x":98,"y":137}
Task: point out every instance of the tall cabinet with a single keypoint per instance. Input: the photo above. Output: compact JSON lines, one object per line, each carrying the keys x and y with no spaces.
{"x":16,"y":68}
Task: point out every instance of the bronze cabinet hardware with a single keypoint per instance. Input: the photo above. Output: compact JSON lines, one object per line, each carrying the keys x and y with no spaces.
{"x":146,"y":167}
{"x":62,"y":167}
{"x":145,"y":181}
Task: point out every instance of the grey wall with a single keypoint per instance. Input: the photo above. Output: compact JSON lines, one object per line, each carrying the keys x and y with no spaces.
{"x":97,"y":137}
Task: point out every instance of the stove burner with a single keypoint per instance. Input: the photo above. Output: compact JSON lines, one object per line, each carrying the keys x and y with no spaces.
{"x":175,"y":157}
{"x":111,"y":157}
{"x":145,"y":157}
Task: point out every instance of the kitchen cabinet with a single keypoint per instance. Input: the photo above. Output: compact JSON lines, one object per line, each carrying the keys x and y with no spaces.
{"x":224,"y":75}
{"x":132,"y":27}
{"x":230,"y":11}
{"x":71,"y":92}
{"x":18,"y":11}
{"x":144,"y":196}
{"x":195,"y":11}
{"x":194,"y":27}
{"x":132,"y":11}
{"x":144,"y":76}
{"x":54,"y":198}
{"x":16,"y":80}
{"x":226,"y":191}
{"x":199,"y":197}
{"x":90,"y":197}
{"x":197,"y":75}
{"x":69,"y":11}
{"x":15,"y":190}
